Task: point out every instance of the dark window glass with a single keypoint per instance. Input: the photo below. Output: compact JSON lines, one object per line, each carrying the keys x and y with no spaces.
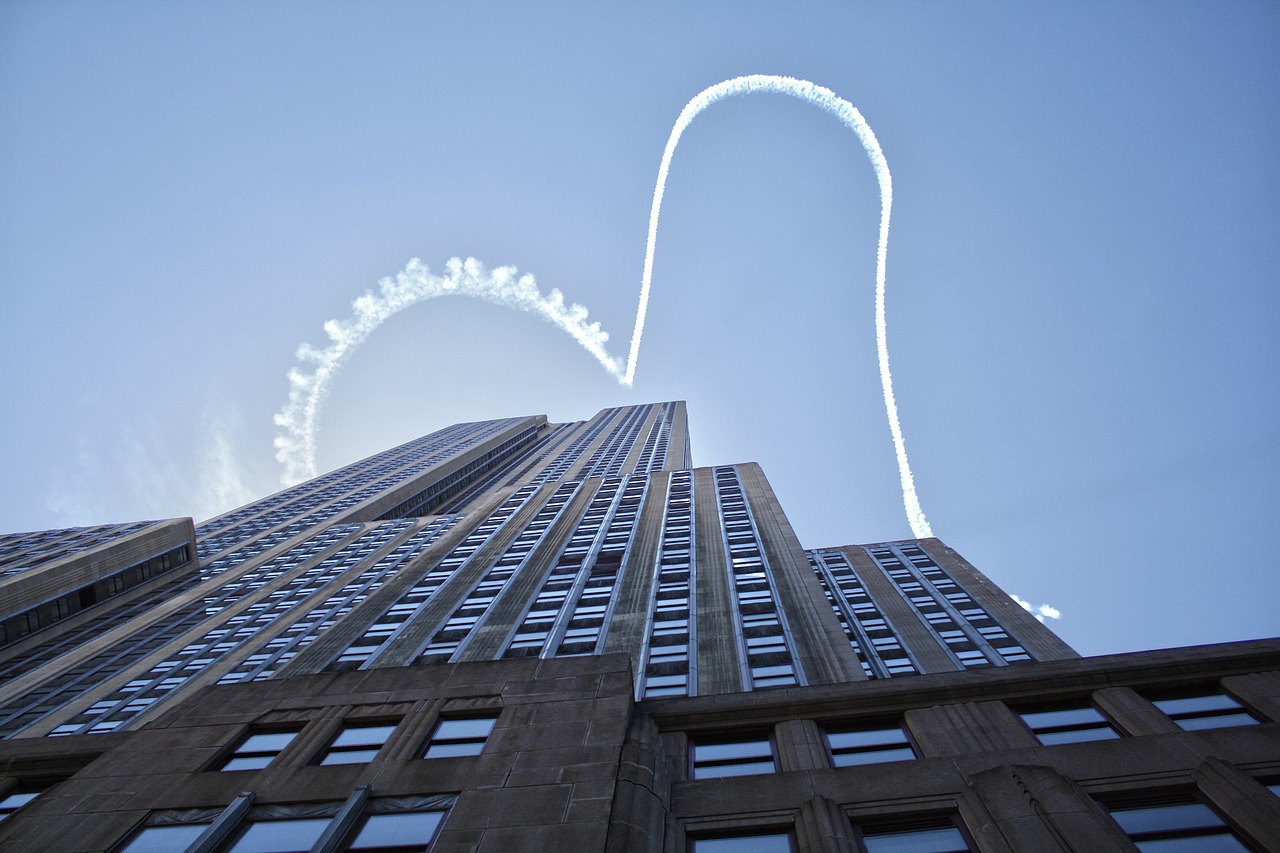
{"x":850,"y":747}
{"x":15,"y":801}
{"x":1173,"y":827}
{"x":164,"y":839}
{"x":387,"y":832}
{"x":1211,"y":702}
{"x":1220,"y":721}
{"x":774,"y":842}
{"x":1205,"y":711}
{"x":459,"y":736}
{"x":279,"y":836}
{"x":356,"y":744}
{"x":739,"y":757}
{"x":258,"y":750}
{"x":918,"y":834}
{"x":940,"y":840}
{"x":1069,"y":725}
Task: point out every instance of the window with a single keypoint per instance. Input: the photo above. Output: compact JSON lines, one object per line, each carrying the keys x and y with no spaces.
{"x":1165,"y":824}
{"x":357,"y":743}
{"x":164,"y":839}
{"x":258,"y":749}
{"x":14,"y":801}
{"x":459,"y":736}
{"x":399,"y":825}
{"x":772,"y":842}
{"x":865,"y":745}
{"x":917,"y":835}
{"x":1207,"y":710}
{"x":1069,"y":725}
{"x":392,"y":833}
{"x":719,"y":757}
{"x":279,"y":836}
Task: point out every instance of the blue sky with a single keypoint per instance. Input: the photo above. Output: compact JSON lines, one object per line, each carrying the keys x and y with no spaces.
{"x":1081,"y":283}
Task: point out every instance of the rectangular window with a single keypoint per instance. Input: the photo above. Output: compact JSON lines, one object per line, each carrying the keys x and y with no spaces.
{"x":1074,"y":724}
{"x":1170,"y":823}
{"x":919,"y":835}
{"x":1205,"y":710}
{"x":279,"y":836}
{"x":357,"y":743}
{"x":400,"y":831}
{"x":868,"y":745}
{"x":386,"y":828}
{"x":459,"y":736}
{"x":164,"y":839}
{"x":768,"y":842}
{"x":15,"y":801}
{"x":741,"y":756}
{"x":258,"y":749}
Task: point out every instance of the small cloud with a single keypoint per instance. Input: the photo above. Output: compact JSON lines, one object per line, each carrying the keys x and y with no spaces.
{"x":1042,"y":612}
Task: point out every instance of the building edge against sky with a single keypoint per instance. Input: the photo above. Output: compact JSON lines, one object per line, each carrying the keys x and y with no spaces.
{"x":489,"y":540}
{"x":514,"y":550}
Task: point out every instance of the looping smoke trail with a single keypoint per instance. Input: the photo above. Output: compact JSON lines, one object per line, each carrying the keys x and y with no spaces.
{"x":852,"y":119}
{"x":296,"y":446}
{"x":308,"y":391}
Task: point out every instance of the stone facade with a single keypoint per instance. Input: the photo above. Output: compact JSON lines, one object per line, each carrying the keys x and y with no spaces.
{"x":573,"y":762}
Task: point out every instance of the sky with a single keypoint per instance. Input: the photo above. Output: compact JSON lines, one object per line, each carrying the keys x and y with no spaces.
{"x":1081,"y":287}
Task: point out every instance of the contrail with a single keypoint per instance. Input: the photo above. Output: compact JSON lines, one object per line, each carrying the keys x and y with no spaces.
{"x":848,"y":115}
{"x":296,"y":446}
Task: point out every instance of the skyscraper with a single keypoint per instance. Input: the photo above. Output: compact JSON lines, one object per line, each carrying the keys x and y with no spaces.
{"x":510,"y":553}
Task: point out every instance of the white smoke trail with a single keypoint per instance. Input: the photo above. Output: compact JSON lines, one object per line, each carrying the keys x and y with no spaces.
{"x":296,"y":446}
{"x":852,"y":119}
{"x":308,"y":391}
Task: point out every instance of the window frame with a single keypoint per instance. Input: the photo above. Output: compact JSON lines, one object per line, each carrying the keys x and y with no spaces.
{"x":772,"y":831}
{"x":1104,"y":723}
{"x":350,"y":838}
{"x":339,"y":823}
{"x":714,"y":739}
{"x":125,"y":843}
{"x":355,"y":724}
{"x":1170,"y":799}
{"x":30,"y":788}
{"x":238,"y":752}
{"x":913,"y":824}
{"x":882,"y":748}
{"x":433,"y":739}
{"x":1200,"y":692}
{"x":246,"y":826}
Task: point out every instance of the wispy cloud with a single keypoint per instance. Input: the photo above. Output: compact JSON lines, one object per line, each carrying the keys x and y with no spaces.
{"x":223,"y":477}
{"x":1044,"y":611}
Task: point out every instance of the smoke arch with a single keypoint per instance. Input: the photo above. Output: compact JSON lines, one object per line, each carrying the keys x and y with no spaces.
{"x":298,"y":419}
{"x":849,"y":116}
